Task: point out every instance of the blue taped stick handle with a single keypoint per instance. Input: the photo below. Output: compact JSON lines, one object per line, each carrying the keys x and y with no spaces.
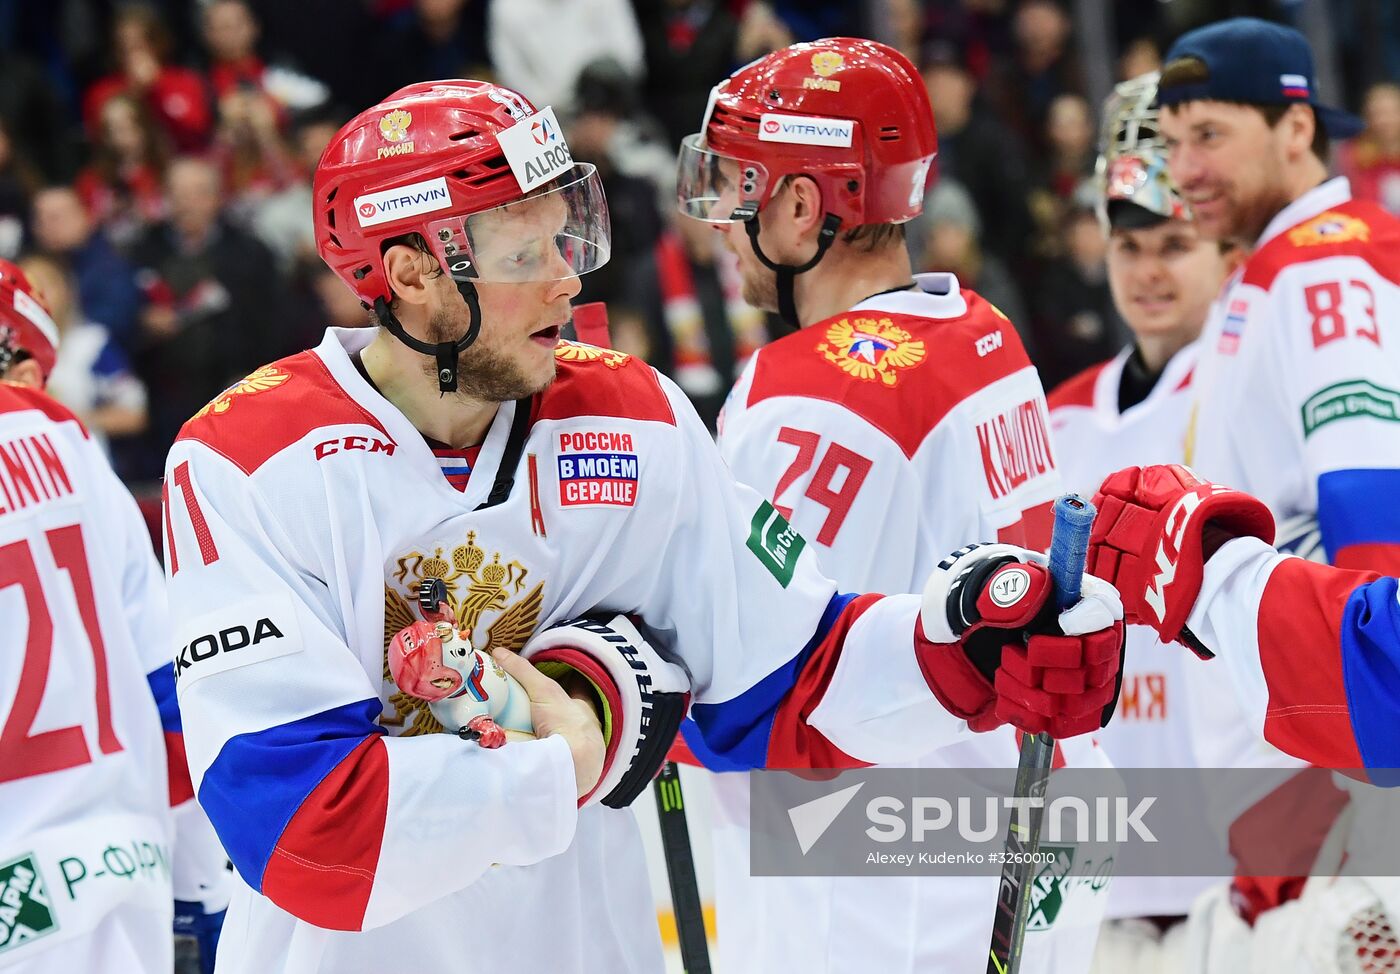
{"x":1069,"y":547}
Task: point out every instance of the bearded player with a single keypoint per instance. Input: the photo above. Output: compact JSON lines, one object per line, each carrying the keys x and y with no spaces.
{"x":900,"y":417}
{"x":539,"y":481}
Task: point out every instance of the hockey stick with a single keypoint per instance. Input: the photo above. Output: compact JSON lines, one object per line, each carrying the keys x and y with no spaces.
{"x":1069,"y":547}
{"x":591,"y":328}
{"x":680,"y":871}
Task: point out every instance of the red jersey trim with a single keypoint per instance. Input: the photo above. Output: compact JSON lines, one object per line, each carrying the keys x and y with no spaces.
{"x":1077,"y":390}
{"x":15,"y":398}
{"x":906,"y":401}
{"x":254,"y":420}
{"x":1364,"y":230}
{"x":595,"y":382}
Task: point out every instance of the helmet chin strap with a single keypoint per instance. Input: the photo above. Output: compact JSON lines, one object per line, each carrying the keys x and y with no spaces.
{"x":787,"y":273}
{"x":444,"y":352}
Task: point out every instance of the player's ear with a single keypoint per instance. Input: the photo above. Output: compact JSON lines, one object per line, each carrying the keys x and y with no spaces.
{"x":1296,"y":130}
{"x":409,"y":272}
{"x":806,"y":205}
{"x":25,"y":372}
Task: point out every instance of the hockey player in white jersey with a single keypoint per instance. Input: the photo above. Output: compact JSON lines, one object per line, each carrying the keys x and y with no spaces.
{"x":91,"y":759}
{"x":461,"y":443}
{"x":1134,"y":408}
{"x":900,"y":418}
{"x":1297,"y":363}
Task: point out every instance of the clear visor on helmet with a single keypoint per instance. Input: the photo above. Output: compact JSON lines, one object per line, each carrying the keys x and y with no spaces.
{"x":711,"y":186}
{"x":559,"y":231}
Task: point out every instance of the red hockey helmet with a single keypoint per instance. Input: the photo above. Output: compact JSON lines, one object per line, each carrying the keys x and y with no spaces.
{"x":852,"y":114}
{"x":483,"y":177}
{"x":25,"y":324}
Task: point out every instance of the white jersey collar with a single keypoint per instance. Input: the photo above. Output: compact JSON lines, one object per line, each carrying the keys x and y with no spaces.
{"x":335,"y":350}
{"x":938,"y":296}
{"x":1106,"y":386}
{"x":1319,"y":199}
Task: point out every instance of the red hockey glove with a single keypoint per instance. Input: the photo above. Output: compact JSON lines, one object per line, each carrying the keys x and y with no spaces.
{"x":994,"y":651}
{"x":1155,"y":530}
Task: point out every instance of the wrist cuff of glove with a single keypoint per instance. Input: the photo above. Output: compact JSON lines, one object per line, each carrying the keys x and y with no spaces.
{"x":955,"y":682}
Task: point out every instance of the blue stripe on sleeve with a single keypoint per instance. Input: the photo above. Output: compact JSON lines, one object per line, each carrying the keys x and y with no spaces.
{"x":1356,"y":507}
{"x":259,"y":780}
{"x":736,"y":732}
{"x":1371,"y":672}
{"x":162,"y":681}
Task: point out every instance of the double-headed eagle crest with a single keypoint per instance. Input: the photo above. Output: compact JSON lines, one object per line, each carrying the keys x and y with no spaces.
{"x":263,"y":379}
{"x":578,"y":352}
{"x":485,"y":598}
{"x":394,"y":125}
{"x":871,"y":348}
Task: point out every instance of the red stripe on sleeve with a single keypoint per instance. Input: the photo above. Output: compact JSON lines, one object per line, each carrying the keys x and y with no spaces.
{"x":1300,"y":651}
{"x":181,"y":788}
{"x":1380,"y":557}
{"x":322,"y":869}
{"x":793,"y":743}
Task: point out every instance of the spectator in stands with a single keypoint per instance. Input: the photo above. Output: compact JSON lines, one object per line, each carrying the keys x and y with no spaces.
{"x":18,"y":181}
{"x":761,"y":31}
{"x":1042,"y":67}
{"x":123,"y":186}
{"x":249,"y":149}
{"x":980,"y":153}
{"x":1074,"y":319}
{"x":435,"y":39}
{"x":32,"y":108}
{"x":1139,"y":57}
{"x":540,"y":46}
{"x":213,"y":304}
{"x":1372,"y":160}
{"x":945,"y":237}
{"x":231,"y":38}
{"x":1067,"y":161}
{"x":106,"y":283}
{"x":92,"y":376}
{"x":688,"y":44}
{"x":282,"y":220}
{"x":174,"y":95}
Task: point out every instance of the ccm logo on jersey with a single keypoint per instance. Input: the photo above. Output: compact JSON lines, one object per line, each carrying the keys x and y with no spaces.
{"x":988,"y":344}
{"x":349,"y":444}
{"x":252,"y":631}
{"x":597,"y":469}
{"x":1015,"y":447}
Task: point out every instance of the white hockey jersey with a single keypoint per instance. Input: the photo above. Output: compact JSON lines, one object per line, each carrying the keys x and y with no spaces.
{"x":894,"y":433}
{"x":85,"y":833}
{"x":1154,"y":724}
{"x":1299,"y":379}
{"x":304,"y":511}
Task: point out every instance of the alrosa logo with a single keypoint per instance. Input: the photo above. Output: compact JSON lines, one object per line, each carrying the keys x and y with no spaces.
{"x":1169,"y":551}
{"x":228,"y":640}
{"x":543,"y":132}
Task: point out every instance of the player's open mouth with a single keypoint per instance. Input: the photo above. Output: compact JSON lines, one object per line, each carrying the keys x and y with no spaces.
{"x":549,"y":337}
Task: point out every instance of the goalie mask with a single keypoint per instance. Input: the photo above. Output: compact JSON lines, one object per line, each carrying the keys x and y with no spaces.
{"x":484,"y":178}
{"x":1131,"y":173}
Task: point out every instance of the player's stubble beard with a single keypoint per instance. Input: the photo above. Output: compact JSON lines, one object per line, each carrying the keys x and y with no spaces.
{"x":484,"y":373}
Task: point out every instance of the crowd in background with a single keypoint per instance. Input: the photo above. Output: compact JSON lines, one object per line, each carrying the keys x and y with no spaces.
{"x":155,"y":163}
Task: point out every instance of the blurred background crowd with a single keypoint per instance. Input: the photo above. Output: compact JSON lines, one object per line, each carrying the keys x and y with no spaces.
{"x":155,"y":163}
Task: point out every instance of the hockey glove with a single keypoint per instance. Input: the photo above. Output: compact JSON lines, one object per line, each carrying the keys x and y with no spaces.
{"x":994,"y":651}
{"x":1155,"y":530}
{"x":641,"y":697}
